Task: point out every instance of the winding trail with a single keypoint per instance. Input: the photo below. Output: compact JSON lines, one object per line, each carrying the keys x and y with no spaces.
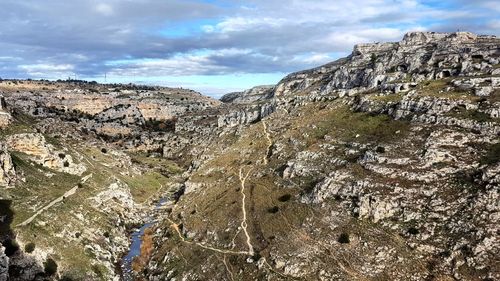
{"x":183,"y":239}
{"x":55,"y":201}
{"x":244,"y":224}
{"x":269,"y":142}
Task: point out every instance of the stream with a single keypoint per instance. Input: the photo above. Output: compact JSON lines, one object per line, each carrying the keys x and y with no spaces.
{"x":136,"y":242}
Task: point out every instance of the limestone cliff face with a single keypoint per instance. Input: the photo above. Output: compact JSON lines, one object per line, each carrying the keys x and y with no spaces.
{"x":256,"y":94}
{"x":419,"y":56}
{"x":112,"y":111}
{"x":7,"y":171}
{"x":45,"y":154}
{"x":5,"y":117}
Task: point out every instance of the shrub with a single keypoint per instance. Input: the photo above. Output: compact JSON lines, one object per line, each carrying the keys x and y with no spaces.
{"x":413,"y":231}
{"x":66,"y":164}
{"x":492,"y":155}
{"x":344,"y":238}
{"x":380,"y":149}
{"x":62,"y":155}
{"x":29,"y":248}
{"x":285,"y":198}
{"x":104,"y":150}
{"x":373,"y":59}
{"x":273,"y":210}
{"x":50,"y":267}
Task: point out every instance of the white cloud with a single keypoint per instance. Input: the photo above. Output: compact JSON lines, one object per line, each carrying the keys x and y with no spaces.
{"x":254,"y":36}
{"x":47,"y":70}
{"x":235,"y":24}
{"x":104,"y":9}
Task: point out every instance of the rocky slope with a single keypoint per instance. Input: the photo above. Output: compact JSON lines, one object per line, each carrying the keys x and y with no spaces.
{"x":380,"y":166}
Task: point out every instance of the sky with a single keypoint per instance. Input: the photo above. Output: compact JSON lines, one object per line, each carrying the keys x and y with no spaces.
{"x":212,"y":46}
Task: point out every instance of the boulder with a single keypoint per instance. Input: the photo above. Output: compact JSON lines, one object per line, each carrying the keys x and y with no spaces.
{"x":4,"y":264}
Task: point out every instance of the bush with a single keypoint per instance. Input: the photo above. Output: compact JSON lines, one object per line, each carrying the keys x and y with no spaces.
{"x":104,"y":150}
{"x":413,"y":231}
{"x":66,"y":164}
{"x":50,"y":267}
{"x":273,"y":210}
{"x":29,"y":248}
{"x":62,"y":155}
{"x":344,"y":238}
{"x":380,"y":149}
{"x":373,"y":59}
{"x":285,"y":198}
{"x":492,"y":155}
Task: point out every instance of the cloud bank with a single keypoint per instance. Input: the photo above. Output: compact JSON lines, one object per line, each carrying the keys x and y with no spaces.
{"x":189,"y":41}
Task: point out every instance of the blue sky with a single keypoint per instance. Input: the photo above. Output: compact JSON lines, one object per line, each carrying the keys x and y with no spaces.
{"x":212,"y":46}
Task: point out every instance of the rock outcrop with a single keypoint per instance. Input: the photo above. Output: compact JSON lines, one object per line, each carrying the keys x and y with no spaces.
{"x":397,"y":66}
{"x":4,"y":264}
{"x":5,"y":116}
{"x":7,"y":170}
{"x":256,"y":94}
{"x":45,"y":154}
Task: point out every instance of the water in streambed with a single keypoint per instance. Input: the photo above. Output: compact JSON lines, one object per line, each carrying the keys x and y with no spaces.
{"x":135,"y":246}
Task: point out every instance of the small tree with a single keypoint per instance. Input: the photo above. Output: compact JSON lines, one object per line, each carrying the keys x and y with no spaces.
{"x":373,"y":59}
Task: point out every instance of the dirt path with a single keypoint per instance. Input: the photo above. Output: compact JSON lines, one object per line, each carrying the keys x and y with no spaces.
{"x":222,"y":251}
{"x":55,"y":201}
{"x":244,"y":224}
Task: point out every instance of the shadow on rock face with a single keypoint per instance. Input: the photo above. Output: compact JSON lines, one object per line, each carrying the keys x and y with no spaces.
{"x":14,"y":264}
{"x":6,"y":217}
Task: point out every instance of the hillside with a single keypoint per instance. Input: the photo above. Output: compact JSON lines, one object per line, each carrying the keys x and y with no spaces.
{"x":383,"y":165}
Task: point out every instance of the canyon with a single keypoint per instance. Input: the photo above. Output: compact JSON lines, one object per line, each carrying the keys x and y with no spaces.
{"x":384,"y":165}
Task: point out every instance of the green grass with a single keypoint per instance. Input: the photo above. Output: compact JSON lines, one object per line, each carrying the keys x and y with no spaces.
{"x":436,"y":88}
{"x":345,"y":125}
{"x":473,"y":115}
{"x":386,"y":98}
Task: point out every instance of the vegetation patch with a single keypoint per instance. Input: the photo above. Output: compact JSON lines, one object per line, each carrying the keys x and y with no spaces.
{"x":348,"y":126}
{"x":29,"y":248}
{"x":285,"y":198}
{"x":50,"y":267}
{"x":492,"y":155}
{"x":475,"y":115}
